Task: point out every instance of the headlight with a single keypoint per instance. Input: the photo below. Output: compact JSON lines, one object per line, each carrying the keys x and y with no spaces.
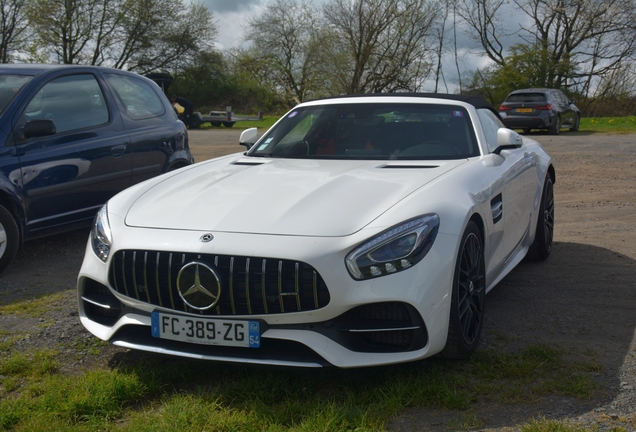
{"x":395,"y":249}
{"x":101,"y":237}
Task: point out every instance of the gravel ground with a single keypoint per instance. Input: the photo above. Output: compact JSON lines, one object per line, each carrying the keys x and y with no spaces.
{"x":582,"y":299}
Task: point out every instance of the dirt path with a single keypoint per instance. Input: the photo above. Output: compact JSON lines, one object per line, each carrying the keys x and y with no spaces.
{"x":582,"y":299}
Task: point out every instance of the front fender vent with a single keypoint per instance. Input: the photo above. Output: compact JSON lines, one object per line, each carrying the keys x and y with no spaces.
{"x":496,"y":207}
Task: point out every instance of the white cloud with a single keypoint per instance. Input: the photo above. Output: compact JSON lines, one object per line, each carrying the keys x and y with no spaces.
{"x":223,"y":6}
{"x":231,"y":28}
{"x":232,"y":17}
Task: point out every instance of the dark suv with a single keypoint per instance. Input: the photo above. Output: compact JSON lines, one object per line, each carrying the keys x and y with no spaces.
{"x":540,"y":109}
{"x":71,"y":137}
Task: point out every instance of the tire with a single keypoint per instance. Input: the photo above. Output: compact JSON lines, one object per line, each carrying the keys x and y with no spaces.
{"x":228,"y":124}
{"x":556,"y":127}
{"x":215,"y":123}
{"x":542,"y":245}
{"x":195,"y":122}
{"x":9,"y":238}
{"x":577,"y":122}
{"x":468,"y":296}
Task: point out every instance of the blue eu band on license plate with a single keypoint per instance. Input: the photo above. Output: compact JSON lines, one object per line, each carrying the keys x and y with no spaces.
{"x":206,"y":331}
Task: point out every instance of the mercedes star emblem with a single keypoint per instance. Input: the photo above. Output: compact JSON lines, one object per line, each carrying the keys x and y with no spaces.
{"x":199,"y":286}
{"x":206,"y":238}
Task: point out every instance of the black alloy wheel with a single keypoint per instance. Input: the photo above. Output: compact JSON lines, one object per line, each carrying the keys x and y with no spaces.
{"x":577,"y":123}
{"x":468,"y":297}
{"x":543,"y":238}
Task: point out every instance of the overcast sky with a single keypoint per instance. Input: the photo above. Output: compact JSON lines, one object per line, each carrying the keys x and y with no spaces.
{"x":232,"y":16}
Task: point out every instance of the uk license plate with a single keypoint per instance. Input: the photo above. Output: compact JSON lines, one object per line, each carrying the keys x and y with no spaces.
{"x":206,"y":331}
{"x":524,"y":110}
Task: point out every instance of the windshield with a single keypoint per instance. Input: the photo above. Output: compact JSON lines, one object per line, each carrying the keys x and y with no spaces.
{"x":10,"y":85}
{"x":526,"y":97}
{"x":371,"y":131}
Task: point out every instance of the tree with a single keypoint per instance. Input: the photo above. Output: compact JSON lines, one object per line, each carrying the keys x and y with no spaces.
{"x":384,"y":43}
{"x":162,"y":34}
{"x":286,"y":40}
{"x":13,"y":26}
{"x":482,"y":18}
{"x":524,"y":67}
{"x":140,"y":35}
{"x":581,"y":41}
{"x":66,"y":27}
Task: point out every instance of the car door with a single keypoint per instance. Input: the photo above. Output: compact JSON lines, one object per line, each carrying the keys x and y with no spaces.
{"x":67,"y":175}
{"x":150,"y":126}
{"x":512,"y":197}
{"x":567,"y":114}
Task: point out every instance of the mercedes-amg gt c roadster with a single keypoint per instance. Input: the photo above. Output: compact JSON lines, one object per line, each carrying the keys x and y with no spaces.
{"x":357,"y":231}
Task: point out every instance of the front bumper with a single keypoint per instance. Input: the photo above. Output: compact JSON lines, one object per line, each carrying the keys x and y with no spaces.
{"x":391,"y":319}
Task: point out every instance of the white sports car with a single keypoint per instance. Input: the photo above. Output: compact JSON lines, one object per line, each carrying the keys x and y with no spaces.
{"x":358,"y":231}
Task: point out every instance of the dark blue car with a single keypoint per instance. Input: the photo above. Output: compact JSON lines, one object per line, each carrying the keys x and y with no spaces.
{"x":540,"y":108}
{"x":71,"y":137}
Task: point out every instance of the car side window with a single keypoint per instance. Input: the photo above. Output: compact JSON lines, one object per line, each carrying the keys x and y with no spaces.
{"x":72,"y":102}
{"x":140,"y":100}
{"x":490,"y":124}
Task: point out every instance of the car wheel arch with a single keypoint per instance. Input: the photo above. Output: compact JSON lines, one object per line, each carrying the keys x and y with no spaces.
{"x":9,"y":202}
{"x":12,"y":231}
{"x":479,"y":221}
{"x":552,"y":173}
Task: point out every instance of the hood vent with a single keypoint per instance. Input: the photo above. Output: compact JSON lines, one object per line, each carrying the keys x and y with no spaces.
{"x":246,"y":162}
{"x":408,"y":166}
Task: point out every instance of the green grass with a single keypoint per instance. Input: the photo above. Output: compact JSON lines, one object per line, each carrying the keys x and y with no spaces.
{"x":157,"y":393}
{"x":609,"y":124}
{"x":35,"y":307}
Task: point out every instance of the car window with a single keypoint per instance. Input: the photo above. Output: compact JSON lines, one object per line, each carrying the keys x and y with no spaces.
{"x":526,"y":97}
{"x":140,"y":100}
{"x":10,"y":85}
{"x":490,"y":124}
{"x":372,"y":131}
{"x":72,"y":102}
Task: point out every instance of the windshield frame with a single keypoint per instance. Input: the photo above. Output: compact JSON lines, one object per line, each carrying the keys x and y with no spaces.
{"x":370,"y":130}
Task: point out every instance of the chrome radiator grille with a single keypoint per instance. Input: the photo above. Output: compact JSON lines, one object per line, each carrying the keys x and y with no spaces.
{"x":249,"y":285}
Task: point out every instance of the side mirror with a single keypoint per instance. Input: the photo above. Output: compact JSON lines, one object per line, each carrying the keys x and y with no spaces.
{"x":507,"y":139}
{"x":249,"y":137}
{"x":39,"y":128}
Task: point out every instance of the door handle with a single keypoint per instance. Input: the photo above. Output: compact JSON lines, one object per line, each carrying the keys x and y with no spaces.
{"x":118,"y":151}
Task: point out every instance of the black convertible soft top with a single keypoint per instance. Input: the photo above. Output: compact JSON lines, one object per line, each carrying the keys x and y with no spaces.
{"x":476,"y":101}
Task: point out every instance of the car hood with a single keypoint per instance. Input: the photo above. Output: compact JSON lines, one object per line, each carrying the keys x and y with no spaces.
{"x":281,"y":196}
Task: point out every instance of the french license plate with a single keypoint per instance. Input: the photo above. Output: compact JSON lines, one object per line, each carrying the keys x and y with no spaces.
{"x":524,"y":110}
{"x":206,"y":331}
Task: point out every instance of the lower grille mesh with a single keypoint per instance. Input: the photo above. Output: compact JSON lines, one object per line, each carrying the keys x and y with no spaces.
{"x":249,"y":285}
